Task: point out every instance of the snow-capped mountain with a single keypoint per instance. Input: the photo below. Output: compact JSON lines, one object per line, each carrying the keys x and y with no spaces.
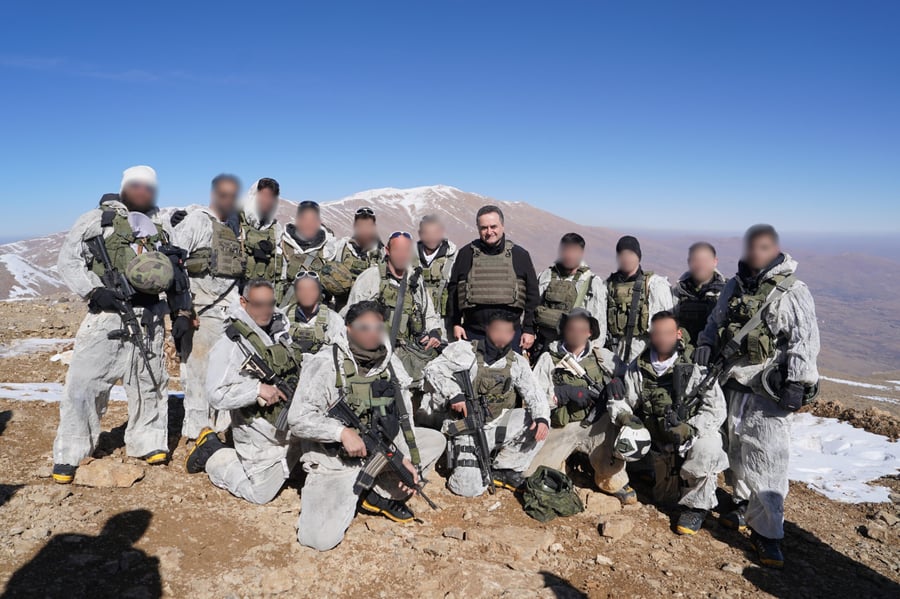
{"x":859,"y":314}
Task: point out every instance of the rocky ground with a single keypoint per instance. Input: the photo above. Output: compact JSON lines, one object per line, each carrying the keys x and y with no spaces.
{"x":165,"y":533}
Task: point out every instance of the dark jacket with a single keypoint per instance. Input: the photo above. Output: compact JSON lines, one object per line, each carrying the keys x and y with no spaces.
{"x":476,"y":318}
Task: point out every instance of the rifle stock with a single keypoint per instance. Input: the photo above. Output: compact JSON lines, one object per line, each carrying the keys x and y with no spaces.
{"x":256,"y":367}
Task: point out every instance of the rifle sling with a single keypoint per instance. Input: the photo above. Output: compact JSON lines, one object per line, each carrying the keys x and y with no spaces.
{"x":636,"y":292}
{"x":398,"y":312}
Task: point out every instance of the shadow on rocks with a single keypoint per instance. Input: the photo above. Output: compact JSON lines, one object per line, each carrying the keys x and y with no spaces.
{"x":5,"y":417}
{"x":77,"y":565}
{"x":7,"y":491}
{"x":560,"y":587}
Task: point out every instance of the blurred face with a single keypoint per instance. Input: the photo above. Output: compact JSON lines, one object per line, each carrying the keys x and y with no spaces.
{"x":266,"y":201}
{"x":628,"y":261}
{"x":760,"y":251}
{"x":570,"y":255}
{"x":308,"y":223}
{"x":260,"y":305}
{"x":490,"y":229}
{"x":367,"y":331}
{"x":702,"y":263}
{"x":431,"y":235}
{"x":664,"y":336}
{"x":399,"y":252}
{"x":139,"y":197}
{"x":306,"y":292}
{"x":501,"y":332}
{"x":577,"y":333}
{"x":365,"y":232}
{"x":223,"y":198}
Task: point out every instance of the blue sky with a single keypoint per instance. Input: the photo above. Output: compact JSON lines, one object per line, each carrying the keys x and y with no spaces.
{"x":670,"y":115}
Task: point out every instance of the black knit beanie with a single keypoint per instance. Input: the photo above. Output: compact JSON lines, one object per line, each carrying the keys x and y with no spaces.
{"x":629,"y":243}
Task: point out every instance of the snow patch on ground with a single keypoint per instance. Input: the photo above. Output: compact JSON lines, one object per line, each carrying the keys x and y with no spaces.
{"x":881,"y":399}
{"x":50,"y":392}
{"x":855,"y":383}
{"x":22,"y":347}
{"x":838,"y":461}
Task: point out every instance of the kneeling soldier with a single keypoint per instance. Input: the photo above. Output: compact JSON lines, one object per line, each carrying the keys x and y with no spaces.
{"x":504,"y":414}
{"x":574,"y":373}
{"x":683,"y":411}
{"x":256,"y":347}
{"x":358,"y":373}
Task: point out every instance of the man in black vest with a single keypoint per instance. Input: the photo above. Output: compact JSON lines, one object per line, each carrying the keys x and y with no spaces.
{"x":698,"y":290}
{"x":490,"y":274}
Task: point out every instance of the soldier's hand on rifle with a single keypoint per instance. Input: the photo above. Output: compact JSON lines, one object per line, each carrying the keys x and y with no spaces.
{"x":541,"y":430}
{"x":459,"y":405}
{"x":615,"y":390}
{"x":459,"y":332}
{"x":702,"y":355}
{"x":353,"y":443}
{"x":428,"y":342}
{"x":102,"y":299}
{"x":181,"y":326}
{"x":415,"y":474}
{"x":270,"y":394}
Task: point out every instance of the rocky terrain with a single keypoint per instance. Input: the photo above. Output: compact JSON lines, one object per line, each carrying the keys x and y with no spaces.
{"x":129,"y":530}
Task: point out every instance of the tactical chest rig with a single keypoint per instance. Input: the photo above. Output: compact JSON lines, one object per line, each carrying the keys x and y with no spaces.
{"x":492,"y":280}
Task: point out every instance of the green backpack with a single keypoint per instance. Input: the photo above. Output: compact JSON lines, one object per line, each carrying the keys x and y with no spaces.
{"x":548,"y":494}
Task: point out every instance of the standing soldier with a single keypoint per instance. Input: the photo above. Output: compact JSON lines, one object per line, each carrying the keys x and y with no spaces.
{"x":263,"y":456}
{"x":698,"y":290}
{"x":490,"y":274}
{"x":313,"y":324}
{"x":363,"y":249}
{"x":260,"y":233}
{"x":515,"y":421}
{"x":567,"y":285}
{"x":435,"y":257}
{"x":415,"y":329}
{"x":633,"y":297}
{"x":765,"y":335}
{"x":117,"y":257}
{"x":360,"y":371}
{"x":216,"y":265}
{"x":308,"y":246}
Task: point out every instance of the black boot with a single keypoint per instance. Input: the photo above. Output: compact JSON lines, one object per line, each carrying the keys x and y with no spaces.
{"x":690,"y":521}
{"x":207,"y":443}
{"x":63,"y":474}
{"x":769,"y":550}
{"x":389,"y":508}
{"x":735,"y":519}
{"x":509,"y":479}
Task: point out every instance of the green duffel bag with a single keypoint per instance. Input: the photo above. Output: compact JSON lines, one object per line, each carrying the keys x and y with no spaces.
{"x":549,"y":493}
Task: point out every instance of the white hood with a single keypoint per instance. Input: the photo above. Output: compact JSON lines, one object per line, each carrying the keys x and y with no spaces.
{"x":251,"y":213}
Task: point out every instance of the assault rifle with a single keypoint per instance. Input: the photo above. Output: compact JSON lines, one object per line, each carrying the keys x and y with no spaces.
{"x":477,"y":415}
{"x":116,"y":282}
{"x":381,"y":453}
{"x":571,"y":364}
{"x":256,"y":367}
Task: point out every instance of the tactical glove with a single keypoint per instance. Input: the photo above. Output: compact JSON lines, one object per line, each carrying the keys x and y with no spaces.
{"x":577,"y":397}
{"x":702,"y":355}
{"x":615,"y":390}
{"x":791,"y":396}
{"x":103,"y":299}
{"x":679,"y":434}
{"x":177,"y":217}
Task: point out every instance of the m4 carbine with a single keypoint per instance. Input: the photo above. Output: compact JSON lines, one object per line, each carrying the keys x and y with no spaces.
{"x":477,"y":415}
{"x":116,"y":282}
{"x":381,"y":453}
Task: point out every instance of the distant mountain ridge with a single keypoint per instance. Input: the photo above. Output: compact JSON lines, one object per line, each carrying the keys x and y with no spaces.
{"x":857,"y":295}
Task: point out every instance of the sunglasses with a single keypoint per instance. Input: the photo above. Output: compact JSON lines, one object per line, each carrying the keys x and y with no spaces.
{"x":397,"y":234}
{"x":307,"y":274}
{"x":365,"y":210}
{"x":366,"y":328}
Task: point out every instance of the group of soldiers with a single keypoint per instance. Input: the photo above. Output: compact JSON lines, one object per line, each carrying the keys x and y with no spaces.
{"x":366,"y":361}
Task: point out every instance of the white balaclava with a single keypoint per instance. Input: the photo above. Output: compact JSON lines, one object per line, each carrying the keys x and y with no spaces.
{"x":138,"y":174}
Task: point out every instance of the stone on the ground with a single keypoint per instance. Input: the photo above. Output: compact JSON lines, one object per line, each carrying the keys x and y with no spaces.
{"x":616,"y":528}
{"x":107,"y":473}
